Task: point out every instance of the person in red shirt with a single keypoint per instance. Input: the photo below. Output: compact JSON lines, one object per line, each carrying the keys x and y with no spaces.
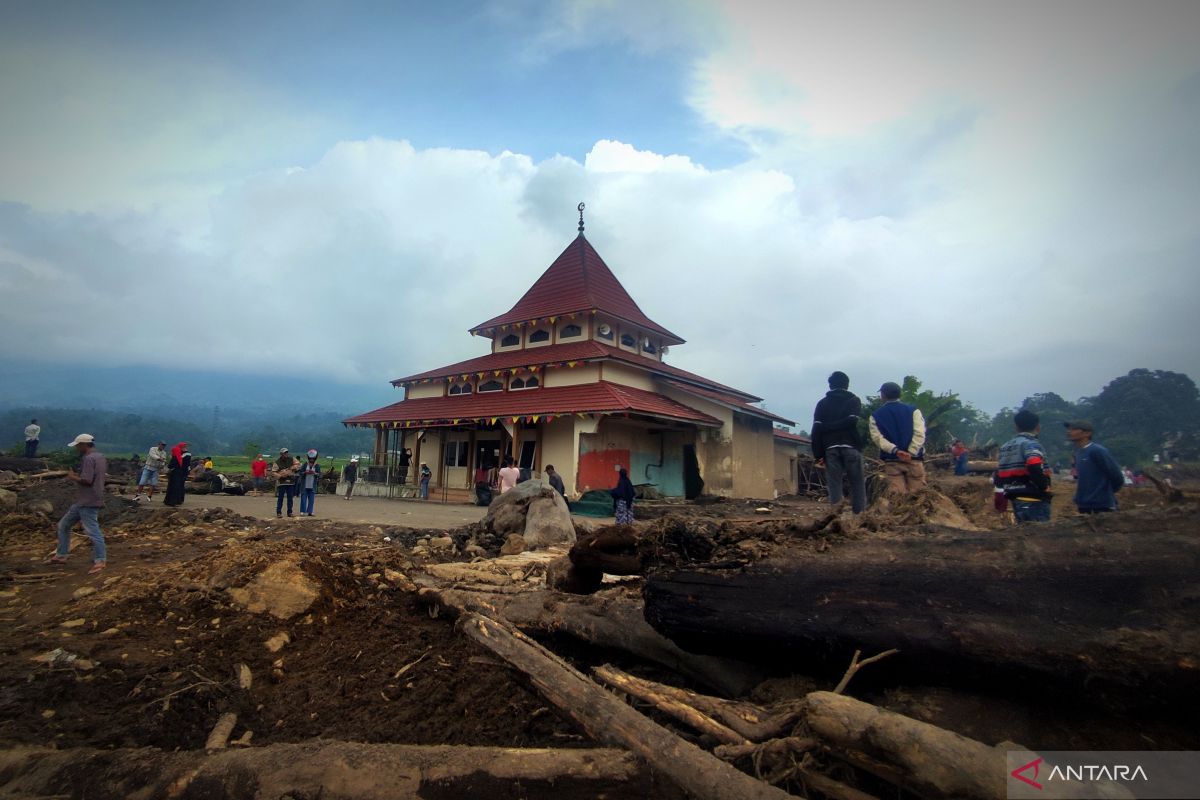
{"x":258,"y":469}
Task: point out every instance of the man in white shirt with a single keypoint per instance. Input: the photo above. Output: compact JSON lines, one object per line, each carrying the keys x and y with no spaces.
{"x":32,"y":432}
{"x":156,"y":462}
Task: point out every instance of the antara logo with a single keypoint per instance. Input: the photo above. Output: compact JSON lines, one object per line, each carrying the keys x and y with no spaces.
{"x":1099,"y":772}
{"x":1016,"y":773}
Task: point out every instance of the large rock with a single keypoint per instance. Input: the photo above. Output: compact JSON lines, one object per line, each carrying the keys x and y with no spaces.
{"x":8,"y":500}
{"x":548,"y":521}
{"x":40,"y":507}
{"x":506,"y":514}
{"x":282,"y":590}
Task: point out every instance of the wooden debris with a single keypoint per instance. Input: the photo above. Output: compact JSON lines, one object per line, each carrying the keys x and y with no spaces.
{"x":611,"y":721}
{"x":219,"y":736}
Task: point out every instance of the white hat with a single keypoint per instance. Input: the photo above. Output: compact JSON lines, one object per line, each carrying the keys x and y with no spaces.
{"x":83,"y":438}
{"x":312,"y":453}
{"x":354,"y":458}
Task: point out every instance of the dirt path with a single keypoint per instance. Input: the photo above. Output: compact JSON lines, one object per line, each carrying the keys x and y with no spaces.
{"x":368,"y":510}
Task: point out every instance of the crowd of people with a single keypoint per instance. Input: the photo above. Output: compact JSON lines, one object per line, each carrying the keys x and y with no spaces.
{"x":1023,"y":478}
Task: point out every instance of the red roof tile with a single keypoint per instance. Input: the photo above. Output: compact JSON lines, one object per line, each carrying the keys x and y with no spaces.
{"x":732,"y":401}
{"x":577,"y":281}
{"x":588,"y":350}
{"x":599,"y":397}
{"x":792,"y":437}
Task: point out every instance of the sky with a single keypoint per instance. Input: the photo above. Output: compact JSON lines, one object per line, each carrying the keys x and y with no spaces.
{"x":1000,"y":199}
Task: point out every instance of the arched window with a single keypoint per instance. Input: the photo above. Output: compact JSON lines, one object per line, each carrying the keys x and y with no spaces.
{"x":540,"y":335}
{"x":571,"y":331}
{"x":512,"y":340}
{"x":523,"y":383}
{"x":628,"y":340}
{"x":460,"y":388}
{"x":491,"y":386}
{"x":531,"y":382}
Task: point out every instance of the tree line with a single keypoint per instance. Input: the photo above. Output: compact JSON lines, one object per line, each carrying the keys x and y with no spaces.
{"x":1136,"y":416}
{"x":124,"y":432}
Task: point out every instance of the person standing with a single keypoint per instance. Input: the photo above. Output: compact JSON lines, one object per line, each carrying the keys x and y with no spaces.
{"x":177,"y":474}
{"x":483,"y":485}
{"x":310,"y":479}
{"x":89,"y":499}
{"x":1099,"y":474}
{"x":835,"y":442}
{"x":555,"y":480}
{"x":33,"y":432}
{"x":509,"y":475}
{"x":285,"y":481}
{"x":959,"y":452}
{"x":258,"y":472}
{"x":402,"y":465}
{"x":426,"y":474}
{"x":898,"y":430}
{"x":156,"y":462}
{"x":1022,"y":470}
{"x":622,"y":495}
{"x":350,"y":475}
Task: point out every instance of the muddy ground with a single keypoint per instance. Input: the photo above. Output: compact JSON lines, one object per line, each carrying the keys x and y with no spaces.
{"x":153,"y":650}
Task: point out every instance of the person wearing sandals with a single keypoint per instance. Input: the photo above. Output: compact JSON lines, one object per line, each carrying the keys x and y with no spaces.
{"x":89,"y":499}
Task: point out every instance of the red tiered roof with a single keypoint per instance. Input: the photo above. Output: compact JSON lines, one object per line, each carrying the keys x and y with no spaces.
{"x":578,"y":281}
{"x":601,"y":397}
{"x":588,"y":350}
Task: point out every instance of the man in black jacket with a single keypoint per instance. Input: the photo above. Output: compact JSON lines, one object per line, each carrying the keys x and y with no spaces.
{"x":835,"y":441}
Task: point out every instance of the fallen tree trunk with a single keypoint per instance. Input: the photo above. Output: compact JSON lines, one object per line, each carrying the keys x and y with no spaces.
{"x":933,"y":762}
{"x":607,"y":719}
{"x":1051,"y":607}
{"x":611,"y":618}
{"x":313,"y":769}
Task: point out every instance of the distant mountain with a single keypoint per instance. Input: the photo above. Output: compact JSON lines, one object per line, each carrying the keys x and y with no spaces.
{"x":129,"y":408}
{"x":176,"y":393}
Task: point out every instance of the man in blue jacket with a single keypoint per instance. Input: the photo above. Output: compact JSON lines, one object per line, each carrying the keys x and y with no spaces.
{"x":1099,"y":476}
{"x":898,"y":430}
{"x":835,"y":442}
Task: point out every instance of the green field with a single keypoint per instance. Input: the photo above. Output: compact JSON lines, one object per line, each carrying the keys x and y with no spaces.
{"x":241,"y":464}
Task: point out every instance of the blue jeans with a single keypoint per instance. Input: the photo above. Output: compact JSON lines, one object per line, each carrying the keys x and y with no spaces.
{"x":1031,"y":510}
{"x":86,"y":516}
{"x":308,"y":499}
{"x":846,"y":461}
{"x":281,"y":491}
{"x":960,"y":464}
{"x":424,"y":488}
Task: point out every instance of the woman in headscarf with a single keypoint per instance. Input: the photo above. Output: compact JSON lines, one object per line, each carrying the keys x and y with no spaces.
{"x":177,"y":472}
{"x":623,"y":498}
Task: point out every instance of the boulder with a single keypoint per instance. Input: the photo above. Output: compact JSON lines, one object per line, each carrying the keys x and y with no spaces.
{"x":282,"y":590}
{"x":7,"y":476}
{"x":40,"y":507}
{"x":548,"y":521}
{"x":507,"y":512}
{"x":8,"y":500}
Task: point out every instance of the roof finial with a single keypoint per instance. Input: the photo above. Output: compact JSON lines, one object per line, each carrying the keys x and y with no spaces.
{"x":581,"y":207}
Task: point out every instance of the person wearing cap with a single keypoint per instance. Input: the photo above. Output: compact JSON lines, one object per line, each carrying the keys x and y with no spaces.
{"x":425,"y":474}
{"x":89,"y":499}
{"x":285,"y":481}
{"x":350,"y":475}
{"x":310,"y":479}
{"x":898,"y":430}
{"x":258,"y":473}
{"x":156,"y":462}
{"x":835,"y":442}
{"x":32,"y":433}
{"x":1021,"y":471}
{"x":1098,"y":475}
{"x":177,"y":474}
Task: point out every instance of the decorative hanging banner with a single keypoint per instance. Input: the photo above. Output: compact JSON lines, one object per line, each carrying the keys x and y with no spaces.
{"x":503,"y":327}
{"x":533,"y":369}
{"x":534,"y":418}
{"x":516,"y":420}
{"x":494,"y":420}
{"x":477,"y":375}
{"x":533,"y":322}
{"x":552,"y":319}
{"x":571,"y":364}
